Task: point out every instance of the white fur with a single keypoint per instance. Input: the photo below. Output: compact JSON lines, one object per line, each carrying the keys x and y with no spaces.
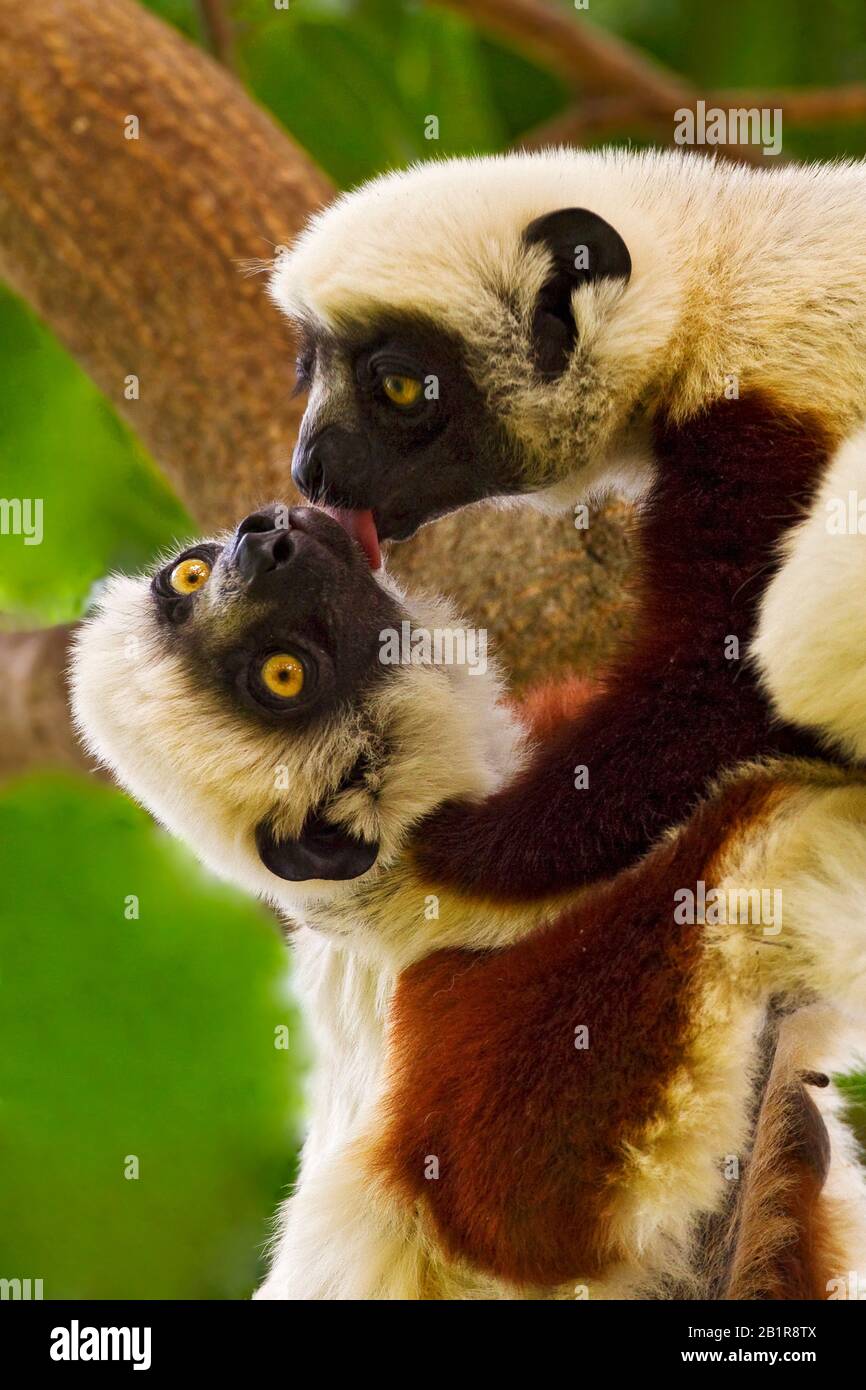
{"x":810,"y":646}
{"x":753,"y":274}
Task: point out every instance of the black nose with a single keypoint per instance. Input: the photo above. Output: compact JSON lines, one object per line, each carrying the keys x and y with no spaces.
{"x":260,"y":546}
{"x":333,"y":467}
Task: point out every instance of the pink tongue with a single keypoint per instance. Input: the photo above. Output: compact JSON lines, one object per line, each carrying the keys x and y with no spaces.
{"x":362,"y":528}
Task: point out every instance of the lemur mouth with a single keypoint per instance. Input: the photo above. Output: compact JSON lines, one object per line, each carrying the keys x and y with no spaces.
{"x":361,"y":526}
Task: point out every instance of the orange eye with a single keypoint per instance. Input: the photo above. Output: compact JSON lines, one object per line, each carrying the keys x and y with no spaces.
{"x":190,"y":575}
{"x":283,"y":675}
{"x":402,"y":391}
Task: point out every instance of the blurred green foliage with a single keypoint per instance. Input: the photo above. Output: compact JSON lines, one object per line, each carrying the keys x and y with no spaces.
{"x":105,"y":505}
{"x":155,"y":1037}
{"x":376,"y":71}
{"x":148,"y":1037}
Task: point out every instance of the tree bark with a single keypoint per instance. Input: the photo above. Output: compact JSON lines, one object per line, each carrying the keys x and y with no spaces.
{"x":130,"y":248}
{"x":132,"y":251}
{"x":33,"y":700}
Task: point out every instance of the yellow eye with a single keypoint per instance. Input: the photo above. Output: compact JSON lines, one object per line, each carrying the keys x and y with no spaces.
{"x":401,"y":390}
{"x":283,"y":675}
{"x":190,"y":575}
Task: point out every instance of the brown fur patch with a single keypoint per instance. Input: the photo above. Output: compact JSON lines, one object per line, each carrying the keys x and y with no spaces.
{"x":546,"y":707}
{"x":527,"y":1129}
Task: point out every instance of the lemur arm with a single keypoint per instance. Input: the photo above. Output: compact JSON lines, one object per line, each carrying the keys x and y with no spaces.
{"x":594,"y":797}
{"x":683,"y":703}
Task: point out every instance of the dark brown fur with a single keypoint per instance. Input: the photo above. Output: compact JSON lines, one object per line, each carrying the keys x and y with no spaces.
{"x":675,"y":711}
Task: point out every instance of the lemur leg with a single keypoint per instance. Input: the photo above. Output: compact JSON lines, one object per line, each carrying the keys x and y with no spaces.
{"x":683,"y":703}
{"x":810,"y":645}
{"x":800,"y":1223}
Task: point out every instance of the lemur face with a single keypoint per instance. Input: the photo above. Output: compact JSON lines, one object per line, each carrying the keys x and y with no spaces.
{"x":229,"y":692}
{"x":241,"y":694}
{"x":396,"y":425}
{"x":281,"y":620}
{"x":452,"y":343}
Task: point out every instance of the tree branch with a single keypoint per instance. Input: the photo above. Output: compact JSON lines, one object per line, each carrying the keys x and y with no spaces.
{"x":128,"y":248}
{"x":576,"y":49}
{"x":598,"y":118}
{"x":218,"y":31}
{"x":598,"y":62}
{"x":799,"y":105}
{"x":36,"y":729}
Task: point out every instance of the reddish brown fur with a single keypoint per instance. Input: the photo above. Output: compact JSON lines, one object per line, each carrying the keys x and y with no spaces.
{"x":783,"y":1248}
{"x":674,"y":712}
{"x":545,"y":708}
{"x":527,"y":1129}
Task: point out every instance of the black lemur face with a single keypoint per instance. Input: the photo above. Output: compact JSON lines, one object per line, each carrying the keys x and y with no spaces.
{"x":284,"y":618}
{"x":395,"y":425}
{"x":397,"y":422}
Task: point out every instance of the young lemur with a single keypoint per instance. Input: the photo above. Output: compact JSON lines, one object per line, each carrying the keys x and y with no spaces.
{"x":552,"y":325}
{"x":537,"y":1100}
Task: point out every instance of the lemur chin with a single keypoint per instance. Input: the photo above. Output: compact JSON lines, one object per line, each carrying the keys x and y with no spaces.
{"x":239,"y":694}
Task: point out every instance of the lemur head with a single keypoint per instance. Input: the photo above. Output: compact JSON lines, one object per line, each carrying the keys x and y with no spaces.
{"x":469,"y":330}
{"x":240,"y":694}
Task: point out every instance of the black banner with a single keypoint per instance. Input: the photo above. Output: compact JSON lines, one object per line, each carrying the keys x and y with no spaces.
{"x":255,"y":1338}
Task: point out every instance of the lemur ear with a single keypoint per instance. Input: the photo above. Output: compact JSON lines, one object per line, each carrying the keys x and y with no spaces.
{"x":322,"y":850}
{"x":583,"y":248}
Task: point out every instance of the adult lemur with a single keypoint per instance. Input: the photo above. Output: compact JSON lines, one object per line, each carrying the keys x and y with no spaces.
{"x":536,"y":1100}
{"x":551,"y":325}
